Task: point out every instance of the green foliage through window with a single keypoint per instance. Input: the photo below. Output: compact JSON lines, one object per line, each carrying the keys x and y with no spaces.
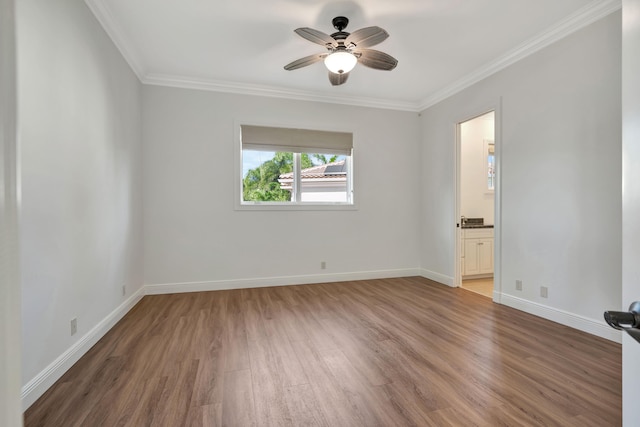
{"x":260,"y":184}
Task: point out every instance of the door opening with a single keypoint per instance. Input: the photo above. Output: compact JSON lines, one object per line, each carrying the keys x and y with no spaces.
{"x":476,"y":203}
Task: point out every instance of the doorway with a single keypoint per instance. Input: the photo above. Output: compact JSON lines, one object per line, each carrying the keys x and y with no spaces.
{"x":476,"y":203}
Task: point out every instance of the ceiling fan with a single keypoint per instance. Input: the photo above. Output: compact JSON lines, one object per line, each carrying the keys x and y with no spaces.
{"x":345,"y":50}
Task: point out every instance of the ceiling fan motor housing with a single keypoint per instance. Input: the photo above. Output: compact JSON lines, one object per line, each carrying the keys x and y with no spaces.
{"x":340,"y":23}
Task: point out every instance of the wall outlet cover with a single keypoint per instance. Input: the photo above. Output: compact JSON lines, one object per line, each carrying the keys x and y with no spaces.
{"x":74,"y":326}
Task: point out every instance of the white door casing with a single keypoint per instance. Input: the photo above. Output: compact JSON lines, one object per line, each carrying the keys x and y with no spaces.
{"x":630,"y":202}
{"x":10,"y":303}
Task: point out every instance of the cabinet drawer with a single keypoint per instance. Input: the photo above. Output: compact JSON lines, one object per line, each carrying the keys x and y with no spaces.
{"x":478,"y":233}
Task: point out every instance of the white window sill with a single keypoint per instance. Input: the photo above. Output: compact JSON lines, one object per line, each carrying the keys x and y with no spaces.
{"x":308,"y":206}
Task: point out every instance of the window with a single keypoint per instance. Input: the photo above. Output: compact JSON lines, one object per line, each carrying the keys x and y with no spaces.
{"x":490,"y":163}
{"x":295,"y":167}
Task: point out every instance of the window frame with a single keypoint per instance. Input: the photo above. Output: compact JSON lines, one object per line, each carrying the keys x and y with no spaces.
{"x":486,"y":153}
{"x":242,"y":205}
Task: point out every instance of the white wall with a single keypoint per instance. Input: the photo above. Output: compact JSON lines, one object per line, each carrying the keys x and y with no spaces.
{"x":10,"y":381}
{"x":80,"y":126}
{"x":630,"y":202}
{"x":476,"y":201}
{"x":560,"y":179}
{"x":193,"y":233}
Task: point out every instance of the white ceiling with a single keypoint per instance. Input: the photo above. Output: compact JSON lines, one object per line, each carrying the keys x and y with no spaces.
{"x":241,"y":46}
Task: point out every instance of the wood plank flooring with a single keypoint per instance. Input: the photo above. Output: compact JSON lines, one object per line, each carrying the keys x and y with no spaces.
{"x":396,"y":352}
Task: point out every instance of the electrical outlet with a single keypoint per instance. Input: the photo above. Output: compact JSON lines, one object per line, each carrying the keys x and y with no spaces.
{"x":544,"y":291}
{"x":74,"y":326}
{"x":518,"y":285}
{"x":323,"y":265}
{"x":124,"y":290}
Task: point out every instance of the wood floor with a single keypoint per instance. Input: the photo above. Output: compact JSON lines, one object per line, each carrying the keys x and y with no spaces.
{"x":369,"y":353}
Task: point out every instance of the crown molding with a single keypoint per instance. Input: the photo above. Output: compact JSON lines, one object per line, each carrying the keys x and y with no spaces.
{"x":115,"y":32}
{"x":592,"y":12}
{"x":274,"y":92}
{"x":589,"y":14}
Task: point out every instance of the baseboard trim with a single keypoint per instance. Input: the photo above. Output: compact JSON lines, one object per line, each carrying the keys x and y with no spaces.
{"x":437,"y":277}
{"x":585,"y":324}
{"x":219,"y":285}
{"x":47,"y":377}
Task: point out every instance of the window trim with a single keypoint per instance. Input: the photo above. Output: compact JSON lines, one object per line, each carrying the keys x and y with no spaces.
{"x":240,"y":205}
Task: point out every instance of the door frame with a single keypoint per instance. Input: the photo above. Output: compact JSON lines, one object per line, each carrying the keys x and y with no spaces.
{"x":470,"y":114}
{"x":10,"y":301}
{"x":630,"y":204}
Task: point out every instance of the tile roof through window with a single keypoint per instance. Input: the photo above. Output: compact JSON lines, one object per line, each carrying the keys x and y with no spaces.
{"x":330,"y":170}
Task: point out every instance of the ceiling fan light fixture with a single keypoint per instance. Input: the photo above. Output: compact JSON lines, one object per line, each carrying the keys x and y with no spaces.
{"x":340,"y":62}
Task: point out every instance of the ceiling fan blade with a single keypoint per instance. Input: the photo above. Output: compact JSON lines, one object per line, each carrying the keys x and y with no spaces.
{"x":316,"y":36}
{"x":375,"y":59}
{"x":338,"y":79}
{"x":307,"y":60}
{"x":367,"y":37}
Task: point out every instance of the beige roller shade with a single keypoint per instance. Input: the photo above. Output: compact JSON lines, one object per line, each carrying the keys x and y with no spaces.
{"x":295,"y":140}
